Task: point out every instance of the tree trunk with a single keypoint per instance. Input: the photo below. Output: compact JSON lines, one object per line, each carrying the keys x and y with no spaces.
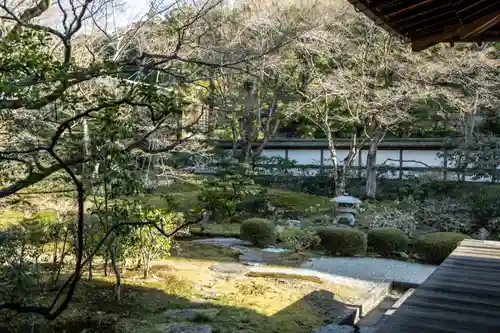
{"x":124,"y":266}
{"x":116,"y":269}
{"x":147,"y":265}
{"x":90,"y":269}
{"x":340,"y":184}
{"x":54,"y":261}
{"x":61,"y":259}
{"x":371,"y":170}
{"x":106,"y":263}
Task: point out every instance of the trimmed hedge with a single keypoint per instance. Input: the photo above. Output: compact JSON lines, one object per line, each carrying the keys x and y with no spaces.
{"x":343,"y":241}
{"x":434,"y":248}
{"x":259,"y":232}
{"x":385,"y":241}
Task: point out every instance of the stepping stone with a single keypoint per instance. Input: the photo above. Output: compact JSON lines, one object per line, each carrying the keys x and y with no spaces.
{"x":229,"y":268}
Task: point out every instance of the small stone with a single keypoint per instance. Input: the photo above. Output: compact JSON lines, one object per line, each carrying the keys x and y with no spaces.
{"x":183,"y":328}
{"x":210,"y":294}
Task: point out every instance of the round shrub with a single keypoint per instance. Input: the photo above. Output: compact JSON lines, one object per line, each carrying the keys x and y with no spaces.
{"x":436,"y":247}
{"x":385,"y":241}
{"x":343,"y":241}
{"x":259,"y":232}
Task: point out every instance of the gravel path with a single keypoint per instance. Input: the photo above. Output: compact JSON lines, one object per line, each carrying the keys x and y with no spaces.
{"x":372,"y":269}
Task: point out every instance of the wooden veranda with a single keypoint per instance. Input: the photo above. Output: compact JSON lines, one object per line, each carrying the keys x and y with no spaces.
{"x":429,"y":22}
{"x":461,"y":296}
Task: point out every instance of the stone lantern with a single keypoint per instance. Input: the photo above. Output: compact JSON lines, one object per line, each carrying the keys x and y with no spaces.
{"x":346,"y":207}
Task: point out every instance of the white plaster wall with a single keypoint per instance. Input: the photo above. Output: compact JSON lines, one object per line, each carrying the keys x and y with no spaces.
{"x":305,"y":156}
{"x":341,"y":155}
{"x":412,"y":157}
{"x":274,"y":153}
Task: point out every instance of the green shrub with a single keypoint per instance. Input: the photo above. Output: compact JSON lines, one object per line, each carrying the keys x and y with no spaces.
{"x":299,"y":239}
{"x":260,"y":232}
{"x":385,"y":241}
{"x":343,"y":241}
{"x":436,"y":247}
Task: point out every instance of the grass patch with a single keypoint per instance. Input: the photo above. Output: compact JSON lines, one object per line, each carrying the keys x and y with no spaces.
{"x":272,"y":275}
{"x":187,"y":194}
{"x":199,"y":251}
{"x":9,"y":217}
{"x":217,"y":230}
{"x":298,"y":201}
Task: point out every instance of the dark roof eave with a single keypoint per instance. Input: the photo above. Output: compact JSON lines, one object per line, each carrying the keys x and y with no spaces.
{"x":363,"y":8}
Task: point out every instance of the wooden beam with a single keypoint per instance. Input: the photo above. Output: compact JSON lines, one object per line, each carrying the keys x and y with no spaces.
{"x":458,"y":32}
{"x":410,"y":7}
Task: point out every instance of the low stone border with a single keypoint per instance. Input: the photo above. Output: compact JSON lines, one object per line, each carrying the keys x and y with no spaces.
{"x":375,"y":297}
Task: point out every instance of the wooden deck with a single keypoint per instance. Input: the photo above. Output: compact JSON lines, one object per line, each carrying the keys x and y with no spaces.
{"x":460,"y":296}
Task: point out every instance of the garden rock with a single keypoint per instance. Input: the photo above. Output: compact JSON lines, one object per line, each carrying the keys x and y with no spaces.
{"x":402,"y":255}
{"x":293,"y":223}
{"x":183,"y":328}
{"x":483,"y":234}
{"x":343,"y":329}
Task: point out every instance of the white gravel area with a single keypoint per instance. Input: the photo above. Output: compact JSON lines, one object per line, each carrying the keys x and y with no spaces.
{"x":331,"y":278}
{"x":372,"y":269}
